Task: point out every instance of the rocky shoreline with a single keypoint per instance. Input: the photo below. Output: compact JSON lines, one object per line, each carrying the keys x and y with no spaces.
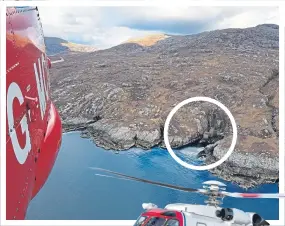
{"x":247,"y":169}
{"x":120,"y":97}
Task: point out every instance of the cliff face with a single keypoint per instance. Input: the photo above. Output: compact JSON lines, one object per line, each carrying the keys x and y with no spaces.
{"x":121,"y":96}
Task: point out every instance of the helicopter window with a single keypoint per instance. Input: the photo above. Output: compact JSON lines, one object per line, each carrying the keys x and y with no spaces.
{"x":140,"y":221}
{"x":156,"y":221}
{"x":169,"y":213}
{"x":172,"y":222}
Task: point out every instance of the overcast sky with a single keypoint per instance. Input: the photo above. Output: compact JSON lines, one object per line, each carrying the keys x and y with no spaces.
{"x":107,"y":26}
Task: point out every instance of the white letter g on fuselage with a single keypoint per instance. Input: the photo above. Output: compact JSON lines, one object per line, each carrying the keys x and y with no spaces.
{"x":21,"y":154}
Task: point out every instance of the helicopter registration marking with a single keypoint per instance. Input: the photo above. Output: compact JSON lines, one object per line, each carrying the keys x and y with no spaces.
{"x":41,"y":84}
{"x":14,"y":92}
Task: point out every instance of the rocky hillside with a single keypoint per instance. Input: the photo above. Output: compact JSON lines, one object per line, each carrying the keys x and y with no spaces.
{"x":121,"y":97}
{"x":58,"y":45}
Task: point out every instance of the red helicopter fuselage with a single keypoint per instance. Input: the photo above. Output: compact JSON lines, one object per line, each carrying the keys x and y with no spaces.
{"x":33,"y":125}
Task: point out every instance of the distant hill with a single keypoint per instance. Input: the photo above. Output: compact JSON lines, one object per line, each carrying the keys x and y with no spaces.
{"x":57,"y":45}
{"x":148,"y":40}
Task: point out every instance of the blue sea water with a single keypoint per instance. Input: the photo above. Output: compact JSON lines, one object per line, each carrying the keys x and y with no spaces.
{"x":74,"y":192}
